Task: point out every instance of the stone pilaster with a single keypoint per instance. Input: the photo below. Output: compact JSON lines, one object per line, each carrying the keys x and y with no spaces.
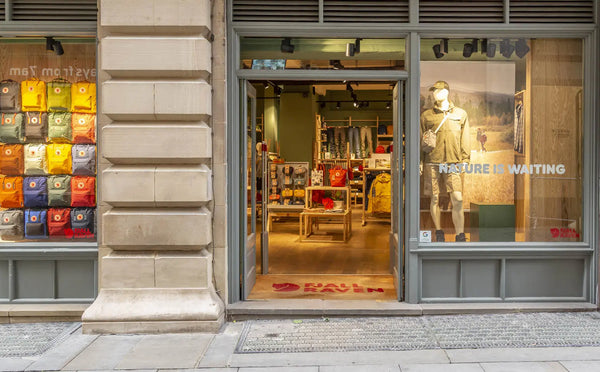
{"x":156,"y":168}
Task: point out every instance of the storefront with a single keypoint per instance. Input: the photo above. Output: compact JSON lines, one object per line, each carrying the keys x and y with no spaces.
{"x":48,"y":249}
{"x":501,"y":207}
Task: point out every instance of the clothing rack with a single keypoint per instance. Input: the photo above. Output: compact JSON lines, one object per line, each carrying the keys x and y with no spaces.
{"x":367,"y":216}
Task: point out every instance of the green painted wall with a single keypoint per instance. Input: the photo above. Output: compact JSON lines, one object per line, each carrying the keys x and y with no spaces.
{"x":297,"y":126}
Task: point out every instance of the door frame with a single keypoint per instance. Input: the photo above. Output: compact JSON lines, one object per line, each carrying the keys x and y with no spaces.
{"x":234,"y":138}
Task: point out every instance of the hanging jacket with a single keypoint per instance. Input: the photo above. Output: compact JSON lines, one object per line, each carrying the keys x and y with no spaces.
{"x":380,"y":194}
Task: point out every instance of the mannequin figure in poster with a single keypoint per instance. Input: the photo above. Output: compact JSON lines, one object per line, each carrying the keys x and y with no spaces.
{"x":452,"y":149}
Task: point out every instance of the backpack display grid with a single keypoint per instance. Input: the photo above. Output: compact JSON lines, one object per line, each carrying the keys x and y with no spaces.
{"x":33,"y":95}
{"x":83,"y":97}
{"x":11,"y":160}
{"x":36,"y":125}
{"x":59,"y":191}
{"x":35,"y":159}
{"x":82,"y":222}
{"x":35,"y":224}
{"x":59,"y":222}
{"x":84,"y":160}
{"x":11,"y":128}
{"x":83,"y":128}
{"x":59,"y":158}
{"x":59,"y":95}
{"x":10,"y":96}
{"x":83,"y":191}
{"x":59,"y":127}
{"x":11,"y":192}
{"x":35,"y":193}
{"x":11,"y":224}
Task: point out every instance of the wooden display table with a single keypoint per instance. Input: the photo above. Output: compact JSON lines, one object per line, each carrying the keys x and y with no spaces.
{"x":309,"y":218}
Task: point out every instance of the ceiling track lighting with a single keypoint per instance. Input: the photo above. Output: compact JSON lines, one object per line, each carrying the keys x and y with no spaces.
{"x":521,"y":48}
{"x":388,"y":105}
{"x":470,"y":48}
{"x":488,"y":48}
{"x":336,"y":64}
{"x":441,"y":49}
{"x":338,"y":106}
{"x":353,"y":48}
{"x":506,"y":48}
{"x":54,"y":45}
{"x":286,"y":45}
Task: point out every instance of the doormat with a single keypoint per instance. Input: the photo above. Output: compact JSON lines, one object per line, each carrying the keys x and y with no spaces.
{"x":31,"y":339}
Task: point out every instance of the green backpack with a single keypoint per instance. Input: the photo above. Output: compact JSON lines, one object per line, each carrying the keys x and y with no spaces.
{"x":59,"y":95}
{"x":59,"y":191}
{"x":59,"y":126}
{"x":11,"y":128}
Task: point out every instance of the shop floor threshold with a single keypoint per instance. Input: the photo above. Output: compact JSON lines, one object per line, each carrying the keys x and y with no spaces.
{"x":267,"y":309}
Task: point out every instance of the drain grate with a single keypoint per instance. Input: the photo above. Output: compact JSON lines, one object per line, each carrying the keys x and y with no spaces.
{"x":426,"y":332}
{"x":30,"y":339}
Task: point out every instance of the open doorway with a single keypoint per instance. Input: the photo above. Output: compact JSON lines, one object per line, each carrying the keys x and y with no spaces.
{"x":324,"y":178}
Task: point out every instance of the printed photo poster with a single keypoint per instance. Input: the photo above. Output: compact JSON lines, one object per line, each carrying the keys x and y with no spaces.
{"x":486,"y":91}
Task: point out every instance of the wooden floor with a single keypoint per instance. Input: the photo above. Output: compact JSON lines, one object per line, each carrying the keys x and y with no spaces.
{"x":358,"y":269}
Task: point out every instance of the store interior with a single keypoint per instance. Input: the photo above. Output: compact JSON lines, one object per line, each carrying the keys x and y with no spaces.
{"x":324,"y":189}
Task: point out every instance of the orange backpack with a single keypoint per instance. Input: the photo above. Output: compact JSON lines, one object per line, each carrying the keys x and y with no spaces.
{"x":83,"y":191}
{"x":83,"y":128}
{"x":11,"y":160}
{"x":11,"y":192}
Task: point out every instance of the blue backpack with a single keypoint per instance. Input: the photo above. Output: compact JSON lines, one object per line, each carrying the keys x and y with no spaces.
{"x":82,"y":222}
{"x":35,"y":193}
{"x":35,"y":224}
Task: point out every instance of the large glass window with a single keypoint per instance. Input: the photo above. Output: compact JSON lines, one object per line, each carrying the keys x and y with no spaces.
{"x":261,"y":53}
{"x":501,"y":146}
{"x":47,"y":140}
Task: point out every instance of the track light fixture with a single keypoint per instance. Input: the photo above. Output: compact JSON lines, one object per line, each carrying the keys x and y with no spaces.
{"x":506,"y":48}
{"x":487,"y":48}
{"x":336,"y":64}
{"x":286,"y":45}
{"x":54,"y":45}
{"x":353,"y":48}
{"x":470,"y":48}
{"x":388,"y":105}
{"x":338,"y":106}
{"x":521,"y":48}
{"x":441,"y":49}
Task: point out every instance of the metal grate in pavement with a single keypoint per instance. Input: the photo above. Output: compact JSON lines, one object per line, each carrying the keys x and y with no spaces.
{"x":30,"y":339}
{"x":426,"y":332}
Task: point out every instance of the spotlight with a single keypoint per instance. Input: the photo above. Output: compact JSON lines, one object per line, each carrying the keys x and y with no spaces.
{"x":388,"y":105}
{"x":49,"y":43}
{"x":469,"y":48}
{"x":506,"y":48}
{"x":355,"y":103}
{"x":521,"y":48}
{"x":58,"y":49}
{"x":488,"y":48}
{"x":350,"y":50}
{"x":277,"y":91}
{"x":336,"y":64}
{"x":338,"y":106}
{"x":286,"y":45}
{"x":441,"y":49}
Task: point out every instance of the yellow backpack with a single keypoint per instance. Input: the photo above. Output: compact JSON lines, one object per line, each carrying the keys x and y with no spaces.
{"x":33,"y":95}
{"x":83,"y":97}
{"x":59,"y":158}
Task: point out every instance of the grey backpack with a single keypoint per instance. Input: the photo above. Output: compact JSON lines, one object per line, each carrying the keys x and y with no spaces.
{"x":84,"y":160}
{"x":10,"y":96}
{"x":11,"y":224}
{"x":36,"y":125}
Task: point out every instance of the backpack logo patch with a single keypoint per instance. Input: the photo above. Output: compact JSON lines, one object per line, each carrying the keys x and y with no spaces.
{"x":82,"y":121}
{"x":8,"y":152}
{"x":82,"y":153}
{"x":57,"y":217}
{"x":58,"y":120}
{"x":33,"y":218}
{"x":81,"y":185}
{"x":79,"y":217}
{"x":5,"y":90}
{"x":57,"y":185}
{"x":82,"y":90}
{"x":57,"y":90}
{"x":9,"y":185}
{"x":34,"y":120}
{"x":31,"y":89}
{"x":32,"y":184}
{"x":58,"y":152}
{"x":8,"y":120}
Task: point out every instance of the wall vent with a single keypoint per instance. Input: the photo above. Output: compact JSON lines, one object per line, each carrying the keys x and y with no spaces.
{"x":275,"y":11}
{"x":465,"y":11}
{"x":52,"y":10}
{"x":551,"y":11}
{"x":365,"y":11}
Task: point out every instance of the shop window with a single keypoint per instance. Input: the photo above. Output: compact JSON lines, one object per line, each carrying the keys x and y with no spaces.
{"x":47,"y":140}
{"x":501,"y":140}
{"x":321,"y":54}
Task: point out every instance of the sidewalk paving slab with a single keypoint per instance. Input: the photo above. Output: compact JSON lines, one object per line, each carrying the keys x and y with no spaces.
{"x":104,"y":353}
{"x":57,"y":357}
{"x":581,"y":366}
{"x":280,"y":369}
{"x":523,"y":367}
{"x":523,"y":354}
{"x":200,"y":370}
{"x":166,"y":351}
{"x":336,"y":358}
{"x":363,"y":368}
{"x":14,"y":364}
{"x":461,"y":367}
{"x":222,"y":347}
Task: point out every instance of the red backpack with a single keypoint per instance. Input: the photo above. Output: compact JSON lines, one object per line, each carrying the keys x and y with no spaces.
{"x":59,"y":221}
{"x":83,"y":191}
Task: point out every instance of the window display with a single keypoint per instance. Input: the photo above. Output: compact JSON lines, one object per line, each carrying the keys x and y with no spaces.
{"x":47,"y":141}
{"x":501,"y":142}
